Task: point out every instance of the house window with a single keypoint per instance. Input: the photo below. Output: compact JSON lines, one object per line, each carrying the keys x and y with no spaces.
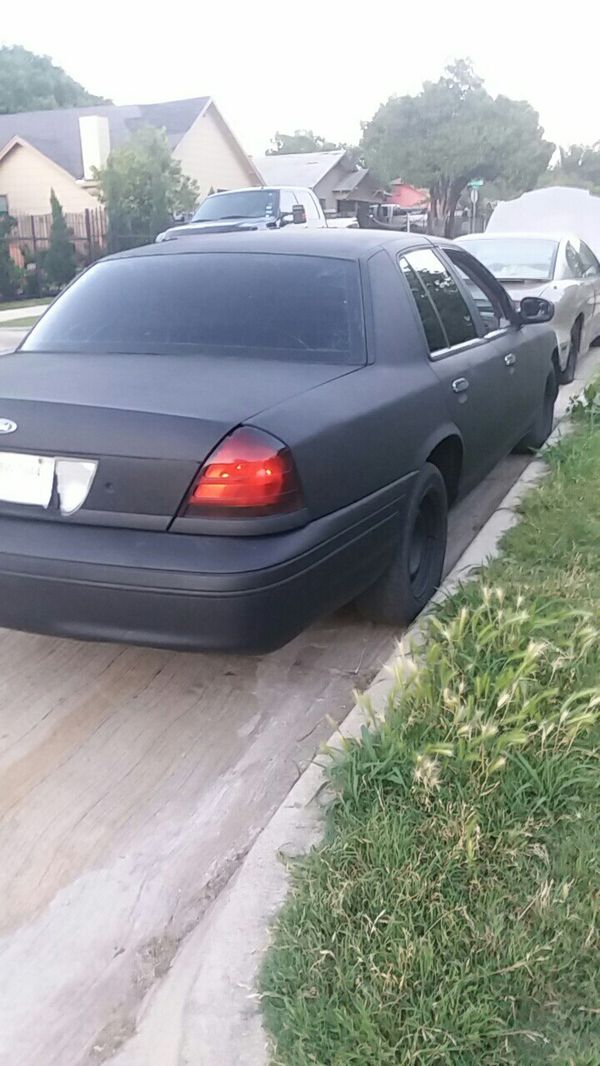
{"x":3,"y":205}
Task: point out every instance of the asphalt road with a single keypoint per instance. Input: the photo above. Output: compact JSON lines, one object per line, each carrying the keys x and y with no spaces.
{"x":132,"y":782}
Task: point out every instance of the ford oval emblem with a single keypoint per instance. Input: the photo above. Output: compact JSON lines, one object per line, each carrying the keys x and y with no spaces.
{"x":7,"y":425}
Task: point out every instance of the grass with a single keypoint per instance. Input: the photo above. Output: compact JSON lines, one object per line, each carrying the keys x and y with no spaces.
{"x":451,"y":914}
{"x":14,"y":323}
{"x":17,"y":304}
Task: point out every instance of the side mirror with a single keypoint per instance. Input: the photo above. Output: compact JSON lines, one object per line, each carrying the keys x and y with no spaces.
{"x":298,"y":214}
{"x":534,"y":311}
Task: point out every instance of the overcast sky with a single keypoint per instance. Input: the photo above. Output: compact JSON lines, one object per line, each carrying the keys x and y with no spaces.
{"x":325,"y":66}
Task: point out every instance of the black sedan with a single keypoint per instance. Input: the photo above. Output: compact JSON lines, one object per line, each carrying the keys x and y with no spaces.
{"x":208,"y":443}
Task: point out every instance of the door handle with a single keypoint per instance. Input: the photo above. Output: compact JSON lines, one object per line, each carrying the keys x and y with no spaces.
{"x":510,"y":359}
{"x":460,"y":385}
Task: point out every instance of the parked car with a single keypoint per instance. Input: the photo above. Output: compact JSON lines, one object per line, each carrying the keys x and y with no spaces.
{"x":209,"y":443}
{"x":559,"y":267}
{"x":252,"y":209}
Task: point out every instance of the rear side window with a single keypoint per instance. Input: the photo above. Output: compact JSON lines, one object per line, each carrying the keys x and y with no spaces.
{"x":590,"y":263}
{"x":290,"y":307}
{"x":574,"y":263}
{"x":436,"y":338}
{"x":445,"y":296}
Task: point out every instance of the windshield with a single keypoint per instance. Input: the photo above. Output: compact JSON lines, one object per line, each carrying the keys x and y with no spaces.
{"x":516,"y":258}
{"x":291,"y":307}
{"x":246,"y":203}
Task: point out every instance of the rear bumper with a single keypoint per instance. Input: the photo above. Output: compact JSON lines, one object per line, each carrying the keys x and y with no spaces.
{"x":249,"y":594}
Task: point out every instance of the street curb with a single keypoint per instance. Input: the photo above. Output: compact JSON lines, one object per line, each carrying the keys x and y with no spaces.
{"x":207,"y":1011}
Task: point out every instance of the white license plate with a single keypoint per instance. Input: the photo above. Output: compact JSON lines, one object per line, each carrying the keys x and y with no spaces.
{"x":26,"y":478}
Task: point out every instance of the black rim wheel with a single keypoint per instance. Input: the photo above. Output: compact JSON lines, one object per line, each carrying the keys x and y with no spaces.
{"x":423,"y":548}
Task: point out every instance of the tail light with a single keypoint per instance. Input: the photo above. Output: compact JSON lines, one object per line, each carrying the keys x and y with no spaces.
{"x":249,"y":474}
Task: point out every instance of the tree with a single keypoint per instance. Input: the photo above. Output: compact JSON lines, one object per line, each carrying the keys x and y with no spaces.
{"x":302,"y":141}
{"x":142,"y":187}
{"x":453,"y":131}
{"x":579,"y":165}
{"x":60,"y":264}
{"x":29,"y":82}
{"x":10,"y":275}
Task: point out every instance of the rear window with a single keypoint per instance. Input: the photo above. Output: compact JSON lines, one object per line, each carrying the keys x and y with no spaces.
{"x":515,"y":258}
{"x":290,"y":307}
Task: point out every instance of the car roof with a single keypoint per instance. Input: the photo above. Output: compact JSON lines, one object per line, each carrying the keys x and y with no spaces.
{"x":496,"y":234}
{"x":334,"y":243}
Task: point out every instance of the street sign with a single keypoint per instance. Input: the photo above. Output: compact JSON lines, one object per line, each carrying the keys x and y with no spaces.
{"x":474,"y":193}
{"x":476,"y":183}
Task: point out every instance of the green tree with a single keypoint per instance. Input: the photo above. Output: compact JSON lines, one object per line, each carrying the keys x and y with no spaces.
{"x":452,"y":132}
{"x":307,"y":141}
{"x":142,"y":187}
{"x":10,"y":275}
{"x":30,"y":82}
{"x":579,"y":166}
{"x":60,"y":263}
{"x":301,"y":141}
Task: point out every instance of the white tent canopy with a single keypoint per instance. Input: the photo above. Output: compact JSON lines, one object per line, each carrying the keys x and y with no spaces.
{"x":553,"y":210}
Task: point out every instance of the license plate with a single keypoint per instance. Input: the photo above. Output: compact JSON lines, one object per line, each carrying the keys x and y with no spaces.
{"x":26,"y":478}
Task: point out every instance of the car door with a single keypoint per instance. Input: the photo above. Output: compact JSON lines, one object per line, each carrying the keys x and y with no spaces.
{"x":287,"y":203}
{"x":513,"y":348}
{"x":310,"y":205}
{"x":591,"y":273}
{"x":472,"y":371}
{"x":583,"y":292}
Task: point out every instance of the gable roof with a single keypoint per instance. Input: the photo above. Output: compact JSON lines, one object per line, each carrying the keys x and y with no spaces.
{"x":56,"y":133}
{"x":360,"y":184}
{"x":298,"y":168}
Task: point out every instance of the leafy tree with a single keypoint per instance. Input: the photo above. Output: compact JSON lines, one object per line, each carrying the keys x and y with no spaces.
{"x":579,"y":165}
{"x":10,"y":275}
{"x":29,"y":82}
{"x":142,"y":187}
{"x":60,"y":263}
{"x":301,"y":141}
{"x":452,"y":132}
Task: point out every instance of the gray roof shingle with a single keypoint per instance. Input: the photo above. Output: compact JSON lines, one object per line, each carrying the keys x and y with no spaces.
{"x":298,"y":168}
{"x":56,"y":133}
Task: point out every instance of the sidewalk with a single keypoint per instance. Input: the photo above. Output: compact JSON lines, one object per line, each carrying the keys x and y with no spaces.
{"x":23,"y":312}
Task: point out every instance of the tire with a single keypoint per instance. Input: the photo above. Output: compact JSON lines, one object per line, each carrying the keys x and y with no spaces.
{"x":542,"y":427}
{"x":415,"y":572}
{"x":567,"y":375}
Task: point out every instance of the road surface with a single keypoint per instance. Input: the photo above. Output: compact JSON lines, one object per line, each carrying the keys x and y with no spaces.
{"x":132,"y":782}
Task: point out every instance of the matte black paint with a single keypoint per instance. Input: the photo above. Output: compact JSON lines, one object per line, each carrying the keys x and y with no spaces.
{"x":127,"y":567}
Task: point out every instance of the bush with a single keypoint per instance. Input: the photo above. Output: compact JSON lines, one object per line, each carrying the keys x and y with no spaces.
{"x":10,"y":274}
{"x":60,"y":264}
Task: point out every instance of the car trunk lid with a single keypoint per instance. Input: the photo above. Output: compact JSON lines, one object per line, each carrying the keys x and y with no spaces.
{"x":148,"y":422}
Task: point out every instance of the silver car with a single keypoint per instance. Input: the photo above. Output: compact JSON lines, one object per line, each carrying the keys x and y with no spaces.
{"x":560,"y":268}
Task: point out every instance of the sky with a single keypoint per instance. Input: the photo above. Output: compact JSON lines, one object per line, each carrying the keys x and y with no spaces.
{"x":327,"y":67}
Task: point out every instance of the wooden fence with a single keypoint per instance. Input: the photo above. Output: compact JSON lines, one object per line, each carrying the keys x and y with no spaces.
{"x":31,"y":235}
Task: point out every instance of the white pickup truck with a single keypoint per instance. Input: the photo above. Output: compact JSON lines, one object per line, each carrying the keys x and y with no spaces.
{"x":252,"y":209}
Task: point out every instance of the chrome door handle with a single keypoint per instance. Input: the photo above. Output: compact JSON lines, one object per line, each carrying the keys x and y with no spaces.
{"x":510,"y":359}
{"x":460,"y":385}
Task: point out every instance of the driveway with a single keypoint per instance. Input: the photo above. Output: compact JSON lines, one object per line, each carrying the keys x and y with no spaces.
{"x":132,"y":784}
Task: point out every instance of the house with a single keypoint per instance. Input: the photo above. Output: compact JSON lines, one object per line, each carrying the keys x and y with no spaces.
{"x":44,"y":150}
{"x":336,"y":180}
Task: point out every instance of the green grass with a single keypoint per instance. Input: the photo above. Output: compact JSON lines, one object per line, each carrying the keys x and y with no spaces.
{"x":14,"y":323}
{"x":18,"y":304}
{"x":451,"y":914}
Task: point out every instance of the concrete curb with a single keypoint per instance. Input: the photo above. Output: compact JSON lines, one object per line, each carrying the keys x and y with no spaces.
{"x":206,"y":1012}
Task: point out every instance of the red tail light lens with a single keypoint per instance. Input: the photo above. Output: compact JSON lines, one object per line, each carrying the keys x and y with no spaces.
{"x":249,"y":474}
